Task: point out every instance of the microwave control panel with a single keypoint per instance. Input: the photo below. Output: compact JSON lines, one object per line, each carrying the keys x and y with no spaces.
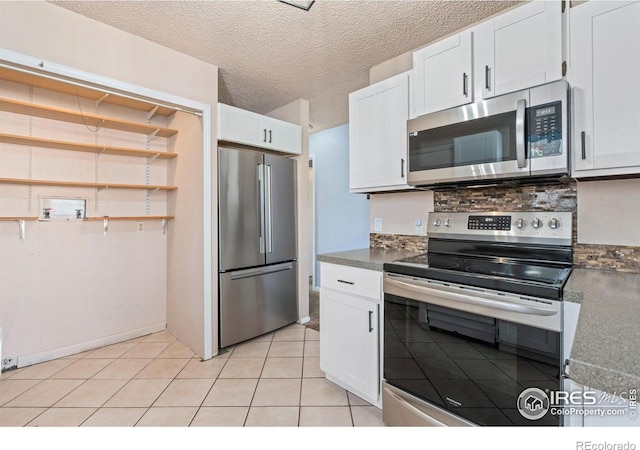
{"x":545,"y":130}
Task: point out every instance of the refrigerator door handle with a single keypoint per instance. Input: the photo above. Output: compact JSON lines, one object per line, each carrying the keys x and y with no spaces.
{"x":258,"y":271}
{"x":261,"y":207}
{"x":268,"y":232}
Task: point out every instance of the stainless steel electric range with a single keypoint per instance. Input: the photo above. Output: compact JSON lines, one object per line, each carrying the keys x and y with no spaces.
{"x":477,"y":320}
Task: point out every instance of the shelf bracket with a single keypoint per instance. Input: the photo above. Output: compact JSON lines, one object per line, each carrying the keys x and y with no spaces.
{"x":164,"y":226}
{"x":152,"y":158}
{"x":152,"y":112}
{"x":21,"y":229}
{"x":101,"y":99}
{"x":105,"y":226}
{"x":152,"y":134}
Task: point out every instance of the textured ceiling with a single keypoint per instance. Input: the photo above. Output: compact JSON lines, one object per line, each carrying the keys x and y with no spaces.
{"x":270,"y":53}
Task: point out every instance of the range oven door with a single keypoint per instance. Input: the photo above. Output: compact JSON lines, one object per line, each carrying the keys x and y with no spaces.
{"x":512,"y":136}
{"x":445,"y":362}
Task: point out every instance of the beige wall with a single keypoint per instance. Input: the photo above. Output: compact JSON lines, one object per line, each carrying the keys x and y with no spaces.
{"x":298,"y":112}
{"x":42,"y":30}
{"x":608,"y":212}
{"x":399,"y":212}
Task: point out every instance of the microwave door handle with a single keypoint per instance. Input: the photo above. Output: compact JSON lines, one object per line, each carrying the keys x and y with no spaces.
{"x":521,"y":155}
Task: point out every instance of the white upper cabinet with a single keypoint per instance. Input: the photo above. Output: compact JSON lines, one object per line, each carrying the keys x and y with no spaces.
{"x":248,"y":128}
{"x":378,"y":136}
{"x":604,"y":74}
{"x":442,"y":74}
{"x":518,"y":49}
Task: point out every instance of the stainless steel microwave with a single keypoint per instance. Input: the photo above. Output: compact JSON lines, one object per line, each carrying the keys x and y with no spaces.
{"x":518,"y":135}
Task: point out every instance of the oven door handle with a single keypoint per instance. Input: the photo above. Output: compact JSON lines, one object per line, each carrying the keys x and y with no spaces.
{"x":462,"y":298}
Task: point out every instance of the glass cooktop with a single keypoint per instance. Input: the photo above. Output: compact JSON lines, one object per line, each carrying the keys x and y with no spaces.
{"x":525,"y":277}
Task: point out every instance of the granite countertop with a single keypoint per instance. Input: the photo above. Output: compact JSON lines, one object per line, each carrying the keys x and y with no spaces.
{"x":605,"y":352}
{"x":365,"y":258}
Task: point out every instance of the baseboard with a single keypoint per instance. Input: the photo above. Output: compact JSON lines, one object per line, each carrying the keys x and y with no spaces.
{"x":304,"y":320}
{"x":48,"y":355}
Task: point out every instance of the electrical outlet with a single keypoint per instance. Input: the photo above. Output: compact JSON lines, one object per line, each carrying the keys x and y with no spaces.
{"x":140,"y":227}
{"x":8,"y":363}
{"x":377,"y":224}
{"x":419,"y":226}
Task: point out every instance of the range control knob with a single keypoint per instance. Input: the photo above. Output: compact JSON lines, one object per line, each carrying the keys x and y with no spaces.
{"x":448,"y":222}
{"x":437,"y":222}
{"x":554,"y":224}
{"x":521,"y":224}
{"x":536,"y":223}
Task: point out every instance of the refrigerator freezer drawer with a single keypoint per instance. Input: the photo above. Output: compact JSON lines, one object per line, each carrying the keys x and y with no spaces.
{"x":257,"y":301}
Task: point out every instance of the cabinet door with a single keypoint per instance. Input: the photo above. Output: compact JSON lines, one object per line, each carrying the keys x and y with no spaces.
{"x":378,"y":136}
{"x":238,"y":125}
{"x":519,"y":49}
{"x":282,"y":136}
{"x":443,"y":76}
{"x":349,"y":342}
{"x":604,"y":74}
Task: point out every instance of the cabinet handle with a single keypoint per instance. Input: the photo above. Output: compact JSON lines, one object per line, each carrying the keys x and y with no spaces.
{"x":583,"y":144}
{"x":464,"y":85}
{"x":370,"y":321}
{"x":264,"y":136}
{"x":269,"y":136}
{"x":486,"y":78}
{"x":351,"y":283}
{"x":402,"y":168}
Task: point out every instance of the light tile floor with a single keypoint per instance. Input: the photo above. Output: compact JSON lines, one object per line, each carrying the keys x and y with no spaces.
{"x":155,"y":380}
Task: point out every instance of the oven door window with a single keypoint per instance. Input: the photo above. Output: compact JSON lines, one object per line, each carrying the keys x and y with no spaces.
{"x":480,"y":141}
{"x":474,"y":366}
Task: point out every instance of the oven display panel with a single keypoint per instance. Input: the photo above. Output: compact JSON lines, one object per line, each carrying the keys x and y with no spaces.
{"x":502,"y":223}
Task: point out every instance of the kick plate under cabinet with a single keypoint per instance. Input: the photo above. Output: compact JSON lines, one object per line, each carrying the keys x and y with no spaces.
{"x":56,"y":208}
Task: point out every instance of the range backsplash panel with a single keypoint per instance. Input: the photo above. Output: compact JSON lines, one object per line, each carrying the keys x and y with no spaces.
{"x":533,"y":197}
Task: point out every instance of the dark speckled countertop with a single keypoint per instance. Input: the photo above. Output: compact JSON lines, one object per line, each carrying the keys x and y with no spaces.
{"x":606,"y":353}
{"x":365,"y":258}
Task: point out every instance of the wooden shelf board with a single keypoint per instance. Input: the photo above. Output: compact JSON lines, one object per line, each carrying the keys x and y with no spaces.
{"x":6,"y":219}
{"x":78,"y":147}
{"x":102,"y":185}
{"x":92,"y":120}
{"x":129,"y":218}
{"x":65,"y":88}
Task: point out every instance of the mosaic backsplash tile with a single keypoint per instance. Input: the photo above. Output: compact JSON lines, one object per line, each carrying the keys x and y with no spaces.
{"x":398,"y":241}
{"x":534,"y":197}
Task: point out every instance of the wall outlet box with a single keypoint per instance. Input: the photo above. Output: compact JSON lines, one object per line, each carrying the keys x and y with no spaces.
{"x":140,"y":227}
{"x":377,"y":224}
{"x":8,"y":364}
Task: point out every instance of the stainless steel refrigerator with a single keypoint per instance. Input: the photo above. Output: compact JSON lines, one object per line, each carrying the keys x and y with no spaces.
{"x":257,"y":244}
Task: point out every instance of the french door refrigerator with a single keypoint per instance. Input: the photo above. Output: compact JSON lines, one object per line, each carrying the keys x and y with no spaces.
{"x":257,"y":244}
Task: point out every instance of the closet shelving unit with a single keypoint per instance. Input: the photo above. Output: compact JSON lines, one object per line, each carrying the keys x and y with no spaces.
{"x":90,"y":120}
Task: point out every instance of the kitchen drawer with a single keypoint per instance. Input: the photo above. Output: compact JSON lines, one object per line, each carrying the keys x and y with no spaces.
{"x":363,"y":282}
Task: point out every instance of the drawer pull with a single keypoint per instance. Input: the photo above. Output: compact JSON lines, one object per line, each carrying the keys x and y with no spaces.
{"x":351,"y":283}
{"x":370,"y":322}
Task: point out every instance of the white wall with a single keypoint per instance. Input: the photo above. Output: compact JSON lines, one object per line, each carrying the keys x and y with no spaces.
{"x":42,"y":30}
{"x":342,"y":219}
{"x":399,"y":211}
{"x":608,"y":212}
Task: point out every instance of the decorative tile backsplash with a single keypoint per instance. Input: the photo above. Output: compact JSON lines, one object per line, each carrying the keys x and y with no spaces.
{"x":544,"y":197}
{"x":399,"y":242}
{"x":534,"y":197}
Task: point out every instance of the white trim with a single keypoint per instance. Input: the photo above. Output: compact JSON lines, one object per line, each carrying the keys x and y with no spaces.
{"x":78,"y":77}
{"x":304,"y":320}
{"x":48,"y":355}
{"x":207,"y":181}
{"x":40,"y":67}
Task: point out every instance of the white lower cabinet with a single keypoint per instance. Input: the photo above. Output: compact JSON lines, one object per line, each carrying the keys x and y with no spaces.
{"x":350,"y":347}
{"x":592,"y":407}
